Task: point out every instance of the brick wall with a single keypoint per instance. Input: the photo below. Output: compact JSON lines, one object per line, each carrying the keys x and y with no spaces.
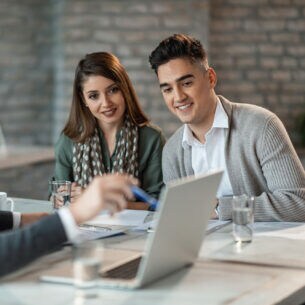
{"x":42,"y":41}
{"x":131,"y":30}
{"x":256,"y":47}
{"x":26,"y":70}
{"x":258,"y":50}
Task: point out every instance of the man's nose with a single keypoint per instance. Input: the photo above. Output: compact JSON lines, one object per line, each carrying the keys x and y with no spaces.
{"x":179,"y":95}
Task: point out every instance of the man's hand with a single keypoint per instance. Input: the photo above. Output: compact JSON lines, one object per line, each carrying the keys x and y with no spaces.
{"x":110,"y":192}
{"x":31,"y":217}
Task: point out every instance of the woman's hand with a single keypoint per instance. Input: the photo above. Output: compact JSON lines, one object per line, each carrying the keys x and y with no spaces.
{"x":76,"y":191}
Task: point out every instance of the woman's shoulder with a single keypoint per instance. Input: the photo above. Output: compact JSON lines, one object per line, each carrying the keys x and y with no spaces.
{"x":151,"y":135}
{"x":151,"y":130}
{"x":63,"y":143}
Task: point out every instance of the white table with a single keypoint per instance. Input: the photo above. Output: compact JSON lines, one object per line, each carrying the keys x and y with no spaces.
{"x":31,"y":205}
{"x":209,"y":281}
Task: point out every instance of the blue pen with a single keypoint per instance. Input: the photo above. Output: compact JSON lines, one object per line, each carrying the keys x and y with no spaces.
{"x":143,"y":196}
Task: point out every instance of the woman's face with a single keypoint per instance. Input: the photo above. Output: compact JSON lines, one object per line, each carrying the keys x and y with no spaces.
{"x":105,"y":101}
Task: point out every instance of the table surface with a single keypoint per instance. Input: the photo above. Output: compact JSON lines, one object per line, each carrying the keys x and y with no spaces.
{"x":270,"y":270}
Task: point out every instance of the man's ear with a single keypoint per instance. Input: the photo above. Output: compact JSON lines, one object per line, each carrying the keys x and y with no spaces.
{"x":212,"y":77}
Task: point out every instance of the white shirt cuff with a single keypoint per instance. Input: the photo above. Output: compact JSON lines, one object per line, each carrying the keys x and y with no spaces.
{"x":16,"y":220}
{"x":72,"y":231}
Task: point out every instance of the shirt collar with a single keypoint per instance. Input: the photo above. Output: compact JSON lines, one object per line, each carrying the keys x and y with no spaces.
{"x":220,"y":121}
{"x":221,"y":118}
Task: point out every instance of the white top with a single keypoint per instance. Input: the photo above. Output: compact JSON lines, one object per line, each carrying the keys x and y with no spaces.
{"x":210,"y":155}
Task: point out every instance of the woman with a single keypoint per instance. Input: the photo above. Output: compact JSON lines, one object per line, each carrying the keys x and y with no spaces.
{"x":107,"y":131}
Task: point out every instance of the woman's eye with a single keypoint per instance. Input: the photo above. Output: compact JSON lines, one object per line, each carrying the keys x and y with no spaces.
{"x":93,"y":96}
{"x":113,"y":90}
{"x":166,"y":90}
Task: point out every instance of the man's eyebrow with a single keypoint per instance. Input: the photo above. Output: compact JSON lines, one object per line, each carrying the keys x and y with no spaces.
{"x":183,"y":77}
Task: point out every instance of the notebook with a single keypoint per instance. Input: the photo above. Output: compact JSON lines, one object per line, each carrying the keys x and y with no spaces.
{"x":183,"y":214}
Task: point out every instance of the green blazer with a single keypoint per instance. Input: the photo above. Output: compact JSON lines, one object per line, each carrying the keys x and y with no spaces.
{"x":151,"y":142}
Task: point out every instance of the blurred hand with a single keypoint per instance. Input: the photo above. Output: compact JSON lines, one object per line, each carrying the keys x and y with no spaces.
{"x":31,"y":217}
{"x":109,"y":192}
{"x":76,"y":191}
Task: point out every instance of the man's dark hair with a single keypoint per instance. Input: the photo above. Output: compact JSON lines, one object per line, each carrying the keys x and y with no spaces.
{"x":177,"y":46}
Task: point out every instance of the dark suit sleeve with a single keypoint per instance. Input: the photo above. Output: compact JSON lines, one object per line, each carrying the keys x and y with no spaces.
{"x":6,"y":220}
{"x":22,"y":246}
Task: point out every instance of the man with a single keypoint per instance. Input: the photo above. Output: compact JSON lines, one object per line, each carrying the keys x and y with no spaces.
{"x":250,"y":143}
{"x":21,"y":246}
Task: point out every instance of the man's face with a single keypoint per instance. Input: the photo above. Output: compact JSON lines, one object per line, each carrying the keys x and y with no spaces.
{"x":188,"y":90}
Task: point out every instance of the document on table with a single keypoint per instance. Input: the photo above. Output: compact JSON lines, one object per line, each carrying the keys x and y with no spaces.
{"x":92,"y":233}
{"x":125,"y":218}
{"x":106,"y":225}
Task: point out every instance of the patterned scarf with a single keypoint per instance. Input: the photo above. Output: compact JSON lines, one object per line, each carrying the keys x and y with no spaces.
{"x":88,"y":161}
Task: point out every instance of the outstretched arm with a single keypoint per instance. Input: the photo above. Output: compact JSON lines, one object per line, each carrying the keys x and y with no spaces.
{"x":20,"y":247}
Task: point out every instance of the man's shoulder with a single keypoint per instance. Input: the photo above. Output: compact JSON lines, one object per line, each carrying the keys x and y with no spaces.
{"x":245,"y":112}
{"x":253,"y":110}
{"x":175,"y":140}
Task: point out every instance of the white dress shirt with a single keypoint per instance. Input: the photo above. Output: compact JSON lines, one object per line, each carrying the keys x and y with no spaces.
{"x":16,"y":220}
{"x":211,"y":155}
{"x":71,"y":228}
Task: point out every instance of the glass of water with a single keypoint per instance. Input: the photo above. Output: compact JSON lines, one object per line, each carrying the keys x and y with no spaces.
{"x":61,"y":193}
{"x":87,"y":262}
{"x":243,"y":218}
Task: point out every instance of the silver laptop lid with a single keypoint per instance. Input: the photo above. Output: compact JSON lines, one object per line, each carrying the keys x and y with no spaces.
{"x":186,"y":207}
{"x":183,"y":215}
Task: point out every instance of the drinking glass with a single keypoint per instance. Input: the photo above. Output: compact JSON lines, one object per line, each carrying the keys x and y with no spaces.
{"x":61,"y":193}
{"x":243,"y":218}
{"x":87,"y":261}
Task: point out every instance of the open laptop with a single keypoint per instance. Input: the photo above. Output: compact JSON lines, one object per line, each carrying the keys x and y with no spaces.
{"x":185,"y":208}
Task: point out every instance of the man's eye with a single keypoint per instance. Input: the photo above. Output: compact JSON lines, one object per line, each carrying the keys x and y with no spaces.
{"x":167,"y":90}
{"x":188,"y":84}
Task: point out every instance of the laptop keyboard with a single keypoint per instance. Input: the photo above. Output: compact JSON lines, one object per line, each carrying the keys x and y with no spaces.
{"x":125,"y":271}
